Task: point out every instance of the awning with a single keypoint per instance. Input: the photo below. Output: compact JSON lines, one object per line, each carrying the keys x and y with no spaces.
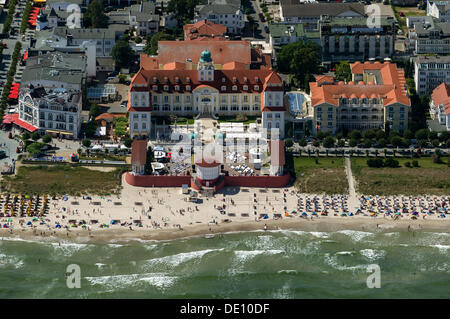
{"x":59,"y":132}
{"x":14,"y":118}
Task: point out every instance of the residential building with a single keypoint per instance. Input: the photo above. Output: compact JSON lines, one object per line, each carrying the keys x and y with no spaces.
{"x":226,"y":12}
{"x":430,"y":72}
{"x":138,"y":156}
{"x":284,"y":33}
{"x":199,"y":88}
{"x":52,"y":111}
{"x":430,"y":36}
{"x":351,"y":39}
{"x":105,"y":39}
{"x":144,"y":18}
{"x":440,"y":105}
{"x":293,"y":11}
{"x":376,"y":95}
{"x":204,"y":29}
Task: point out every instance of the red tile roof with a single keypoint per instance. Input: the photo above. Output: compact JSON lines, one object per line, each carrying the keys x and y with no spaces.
{"x":277,"y":156}
{"x":221,"y":51}
{"x":203,"y":29}
{"x":441,"y":96}
{"x":391,"y":90}
{"x":138,"y":152}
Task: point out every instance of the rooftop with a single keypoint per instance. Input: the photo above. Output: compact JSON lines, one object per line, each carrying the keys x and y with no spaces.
{"x":293,"y":8}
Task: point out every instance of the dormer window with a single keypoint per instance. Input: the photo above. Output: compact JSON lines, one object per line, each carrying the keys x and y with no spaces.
{"x":256,"y":79}
{"x":188,"y":80}
{"x":245,"y":79}
{"x":223,"y":88}
{"x":235,"y":79}
{"x":155,"y":80}
{"x":155,"y":88}
{"x":234,"y":87}
{"x":256,"y":87}
{"x":177,"y":80}
{"x":188,"y":87}
{"x":374,"y":101}
{"x":245,"y":88}
{"x":166,"y":79}
{"x":223,"y":80}
{"x":166,"y":88}
{"x":355,"y":100}
{"x":177,"y":87}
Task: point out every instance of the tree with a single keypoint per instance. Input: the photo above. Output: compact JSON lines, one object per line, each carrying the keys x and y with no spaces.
{"x":122,"y":78}
{"x":415,"y":163}
{"x":396,"y":141}
{"x":355,"y":135}
{"x":95,"y":16}
{"x":407,"y":164}
{"x":422,"y":134}
{"x":182,"y":10}
{"x":300,"y":58}
{"x":433,"y":135}
{"x":86,"y":142}
{"x":47,"y":139}
{"x":288,"y":142}
{"x":35,"y":136}
{"x":341,"y":143}
{"x":444,"y":136}
{"x":122,"y":53}
{"x":390,"y":162}
{"x":435,"y":143}
{"x":25,"y":136}
{"x":91,"y":128}
{"x":328,"y":142}
{"x":302,"y":142}
{"x":151,"y":47}
{"x":128,"y":141}
{"x":316,"y":143}
{"x":422,"y":143}
{"x":375,"y":162}
{"x":343,"y":72}
{"x":367,"y":143}
{"x":138,"y":40}
{"x":94,"y":111}
{"x":35,"y":148}
{"x":353,"y":142}
{"x":381,"y":142}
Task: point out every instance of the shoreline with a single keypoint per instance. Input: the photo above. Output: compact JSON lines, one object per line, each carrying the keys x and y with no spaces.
{"x":323,"y":224}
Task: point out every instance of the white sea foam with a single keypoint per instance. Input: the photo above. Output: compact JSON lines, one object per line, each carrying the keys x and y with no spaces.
{"x":372,"y":254}
{"x":249,"y":254}
{"x":393,"y":234}
{"x":175,"y":260}
{"x":333,"y":262}
{"x":112,"y":283}
{"x":100,"y":265}
{"x":114,"y":245}
{"x":442,"y":248}
{"x":14,"y":261}
{"x":345,"y":253}
{"x":355,"y":235}
{"x":68,"y":249}
{"x":319,"y":234}
{"x":287,"y":271}
{"x":150,"y":247}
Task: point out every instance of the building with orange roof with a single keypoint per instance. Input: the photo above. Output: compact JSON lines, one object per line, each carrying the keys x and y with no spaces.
{"x":205,"y":90}
{"x":204,"y":29}
{"x":440,"y":105}
{"x":377,"y":94}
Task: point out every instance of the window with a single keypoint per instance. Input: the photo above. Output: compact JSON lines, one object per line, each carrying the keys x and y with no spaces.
{"x":188,"y":87}
{"x":277,"y":116}
{"x":166,"y":99}
{"x":256,"y":87}
{"x":177,"y":99}
{"x":277,"y":125}
{"x":177,"y":87}
{"x":234,"y":99}
{"x":223,"y":80}
{"x":269,"y":115}
{"x":155,"y":88}
{"x":50,"y":117}
{"x":143,"y":116}
{"x":135,"y":126}
{"x":144,"y":126}
{"x":269,"y":125}
{"x":135,"y":116}
{"x":257,"y":98}
{"x":245,"y":108}
{"x":245,"y":99}
{"x":188,"y":98}
{"x":224,"y":108}
{"x":155,"y":99}
{"x":234,"y":88}
{"x":234,"y":108}
{"x":245,"y":87}
{"x":223,"y":88}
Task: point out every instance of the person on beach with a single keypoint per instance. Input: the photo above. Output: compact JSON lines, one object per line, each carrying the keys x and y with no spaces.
{"x":265,"y":226}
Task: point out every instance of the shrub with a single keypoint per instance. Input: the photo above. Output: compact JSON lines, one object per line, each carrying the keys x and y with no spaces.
{"x":47,"y":139}
{"x":415,"y":163}
{"x":407,"y":164}
{"x":353,"y":142}
{"x":390,"y":162}
{"x":86,"y":142}
{"x":303,"y":142}
{"x":316,"y":143}
{"x":375,"y":162}
{"x":288,"y":142}
{"x":328,"y":142}
{"x":35,"y":136}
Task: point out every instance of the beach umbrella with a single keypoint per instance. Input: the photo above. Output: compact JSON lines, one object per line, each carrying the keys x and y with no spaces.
{"x":29,"y":223}
{"x":304,"y":214}
{"x":266,"y":216}
{"x":350,"y":214}
{"x":58,"y":226}
{"x":398,"y":213}
{"x":343,"y":214}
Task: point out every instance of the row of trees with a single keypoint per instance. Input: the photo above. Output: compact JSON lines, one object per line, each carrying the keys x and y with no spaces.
{"x":182,"y":10}
{"x":9,"y":79}
{"x":32,"y":146}
{"x":10,"y":16}
{"x":26,"y":13}
{"x":95,"y":16}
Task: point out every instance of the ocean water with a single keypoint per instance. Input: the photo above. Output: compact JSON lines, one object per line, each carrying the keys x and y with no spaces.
{"x":272,"y":264}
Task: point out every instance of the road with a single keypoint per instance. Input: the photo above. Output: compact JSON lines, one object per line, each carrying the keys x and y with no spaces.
{"x":258,"y":33}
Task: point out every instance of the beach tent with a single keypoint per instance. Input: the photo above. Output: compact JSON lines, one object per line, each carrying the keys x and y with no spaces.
{"x":266,"y":216}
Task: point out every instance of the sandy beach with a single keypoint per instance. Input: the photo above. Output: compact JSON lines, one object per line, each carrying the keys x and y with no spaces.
{"x":166,"y":213}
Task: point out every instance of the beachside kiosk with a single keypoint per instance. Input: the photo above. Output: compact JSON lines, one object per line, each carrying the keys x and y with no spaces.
{"x":208,"y":172}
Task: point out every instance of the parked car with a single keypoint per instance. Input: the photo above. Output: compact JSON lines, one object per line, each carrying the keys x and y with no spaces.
{"x":124,"y":103}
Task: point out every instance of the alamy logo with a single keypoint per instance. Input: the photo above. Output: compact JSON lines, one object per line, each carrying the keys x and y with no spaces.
{"x":73,"y":273}
{"x":373,"y":16}
{"x":374,"y":280}
{"x":74,"y":19}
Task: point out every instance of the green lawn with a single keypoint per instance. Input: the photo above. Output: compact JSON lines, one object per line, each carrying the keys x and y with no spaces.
{"x":326,"y":176}
{"x":61,"y":179}
{"x":250,"y":119}
{"x":428,"y":178}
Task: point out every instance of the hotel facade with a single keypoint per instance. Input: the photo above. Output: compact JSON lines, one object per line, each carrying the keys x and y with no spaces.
{"x":376,"y":96}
